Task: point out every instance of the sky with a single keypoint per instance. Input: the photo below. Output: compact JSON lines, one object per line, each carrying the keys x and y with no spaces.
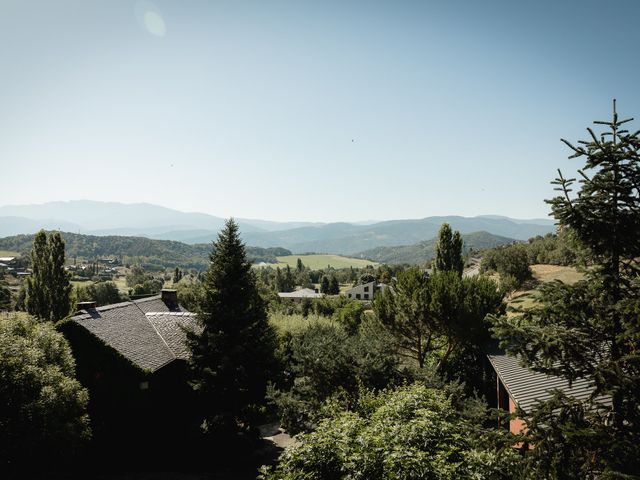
{"x":300,"y":110}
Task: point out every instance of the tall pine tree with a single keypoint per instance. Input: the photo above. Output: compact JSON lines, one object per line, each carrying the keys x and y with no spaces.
{"x":233,"y":354}
{"x":591,"y":329}
{"x":449,"y":251}
{"x":48,"y":295}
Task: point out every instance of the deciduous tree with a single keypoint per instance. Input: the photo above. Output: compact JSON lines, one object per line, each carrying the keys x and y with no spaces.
{"x":48,"y":287}
{"x":449,"y":251}
{"x":43,"y":414}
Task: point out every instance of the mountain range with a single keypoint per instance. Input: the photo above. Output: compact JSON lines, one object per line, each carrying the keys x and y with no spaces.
{"x":156,"y":222}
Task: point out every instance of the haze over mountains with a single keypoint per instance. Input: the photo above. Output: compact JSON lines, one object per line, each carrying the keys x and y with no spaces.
{"x":153,"y":221}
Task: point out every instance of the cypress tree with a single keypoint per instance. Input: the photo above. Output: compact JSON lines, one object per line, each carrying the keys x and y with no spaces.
{"x":289,"y":282}
{"x":233,"y":354}
{"x":48,"y":295}
{"x":5,"y":295}
{"x":60,"y":286}
{"x":324,"y":285}
{"x":590,"y":330}
{"x":334,"y":286}
{"x":449,"y":251}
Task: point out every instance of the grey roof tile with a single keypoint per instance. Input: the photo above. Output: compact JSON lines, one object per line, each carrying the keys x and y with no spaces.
{"x":526,"y":387}
{"x":148,"y":341}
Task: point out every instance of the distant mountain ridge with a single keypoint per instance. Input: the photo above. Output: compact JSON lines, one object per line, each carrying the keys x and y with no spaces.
{"x":156,"y":222}
{"x":422,"y":252}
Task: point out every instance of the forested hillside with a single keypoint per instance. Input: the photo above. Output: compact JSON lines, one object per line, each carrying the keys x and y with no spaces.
{"x":165,"y":253}
{"x":422,"y":252}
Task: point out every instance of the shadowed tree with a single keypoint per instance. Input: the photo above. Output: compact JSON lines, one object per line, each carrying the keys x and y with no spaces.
{"x":590,"y":330}
{"x":48,"y":295}
{"x":233,"y":355}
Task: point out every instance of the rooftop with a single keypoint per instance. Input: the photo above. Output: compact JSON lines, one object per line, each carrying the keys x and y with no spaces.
{"x":302,"y":293}
{"x":148,"y":332}
{"x":526,"y":387}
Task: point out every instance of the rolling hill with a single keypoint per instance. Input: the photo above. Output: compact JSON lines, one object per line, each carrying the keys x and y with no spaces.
{"x":155,"y":222}
{"x":420,"y":253}
{"x":162,"y":253}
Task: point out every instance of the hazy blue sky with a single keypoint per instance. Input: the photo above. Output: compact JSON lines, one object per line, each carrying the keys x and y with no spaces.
{"x":300,"y":110}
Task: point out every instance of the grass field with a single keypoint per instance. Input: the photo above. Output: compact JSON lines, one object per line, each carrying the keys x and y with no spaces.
{"x":544,"y":274}
{"x":316,"y":262}
{"x":8,"y":253}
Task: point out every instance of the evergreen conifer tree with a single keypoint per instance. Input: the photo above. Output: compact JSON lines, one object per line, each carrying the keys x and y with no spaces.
{"x":48,"y":288}
{"x":324,"y":285}
{"x":334,"y":286}
{"x":590,"y":330}
{"x":233,"y":354}
{"x":449,"y":251}
{"x":5,"y":295}
{"x":289,"y":282}
{"x":177,"y":275}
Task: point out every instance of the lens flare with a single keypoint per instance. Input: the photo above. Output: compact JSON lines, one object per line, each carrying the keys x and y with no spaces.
{"x":150,"y":18}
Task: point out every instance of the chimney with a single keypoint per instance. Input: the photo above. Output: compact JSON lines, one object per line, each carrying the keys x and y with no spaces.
{"x":86,"y":305}
{"x":169,"y":296}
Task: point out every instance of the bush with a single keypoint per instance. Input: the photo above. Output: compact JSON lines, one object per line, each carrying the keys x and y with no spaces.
{"x":409,"y":433}
{"x":511,"y":262}
{"x":321,"y":360}
{"x":42,"y":406}
{"x":103,"y":293}
{"x":350,"y":316}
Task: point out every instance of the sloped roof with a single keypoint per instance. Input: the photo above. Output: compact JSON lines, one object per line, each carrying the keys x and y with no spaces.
{"x":302,"y":293}
{"x":526,"y":387}
{"x":147,"y":331}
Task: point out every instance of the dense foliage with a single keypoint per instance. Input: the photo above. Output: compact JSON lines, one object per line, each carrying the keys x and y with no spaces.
{"x":42,"y":406}
{"x":103,"y":293}
{"x":590,"y":329}
{"x":323,"y":360}
{"x":554,"y":249}
{"x":233,"y":355}
{"x":435,"y":317}
{"x":413,"y":432}
{"x":5,"y":295}
{"x":511,"y":262}
{"x":423,"y":252}
{"x":449,"y":251}
{"x":48,"y":291}
{"x":140,"y":250}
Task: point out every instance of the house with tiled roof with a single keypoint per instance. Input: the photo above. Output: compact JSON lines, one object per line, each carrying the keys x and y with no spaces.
{"x":300,"y":294}
{"x":520,"y":387}
{"x":132,"y":358}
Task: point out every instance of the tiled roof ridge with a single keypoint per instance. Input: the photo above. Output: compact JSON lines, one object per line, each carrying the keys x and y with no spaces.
{"x":173,"y":354}
{"x":113,"y":306}
{"x":173,"y":314}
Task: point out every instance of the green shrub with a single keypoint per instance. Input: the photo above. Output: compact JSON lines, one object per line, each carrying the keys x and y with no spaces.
{"x":42,"y":406}
{"x":413,"y":432}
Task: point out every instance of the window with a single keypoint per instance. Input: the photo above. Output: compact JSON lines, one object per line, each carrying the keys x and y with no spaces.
{"x":358,"y":296}
{"x":366,"y":289}
{"x":349,"y":295}
{"x":366,"y":295}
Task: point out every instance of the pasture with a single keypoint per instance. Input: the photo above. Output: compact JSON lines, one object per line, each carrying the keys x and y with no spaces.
{"x":543,"y":274}
{"x":317,"y":262}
